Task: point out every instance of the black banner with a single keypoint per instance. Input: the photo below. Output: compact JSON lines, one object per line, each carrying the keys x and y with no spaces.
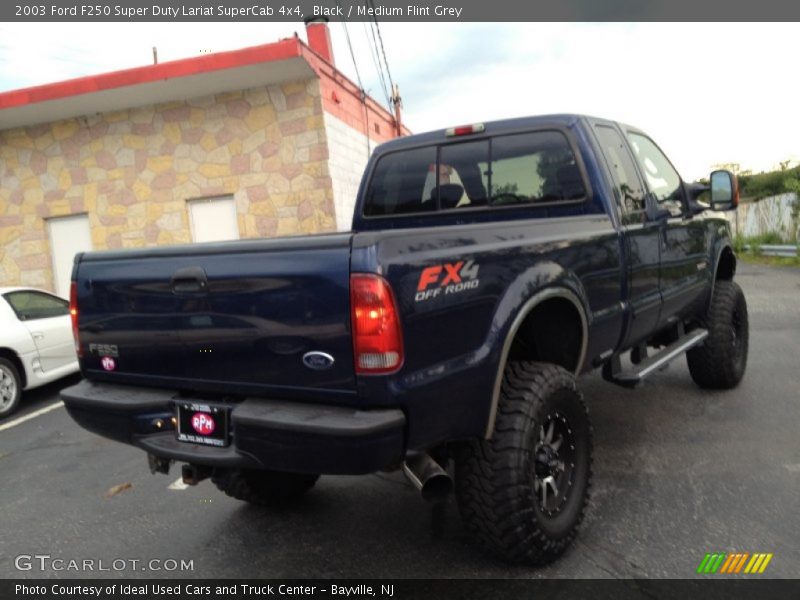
{"x":400,"y":589}
{"x":397,"y":10}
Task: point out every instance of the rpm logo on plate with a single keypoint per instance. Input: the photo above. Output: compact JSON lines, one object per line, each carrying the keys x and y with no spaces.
{"x":446,"y":279}
{"x":203,"y":423}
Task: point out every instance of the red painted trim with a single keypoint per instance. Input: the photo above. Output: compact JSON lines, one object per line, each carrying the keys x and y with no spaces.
{"x":282,"y":50}
{"x":342,"y":99}
{"x":340,"y":96}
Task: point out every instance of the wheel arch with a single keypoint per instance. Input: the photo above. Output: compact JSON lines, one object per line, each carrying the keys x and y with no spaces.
{"x":12,"y":356}
{"x":724,"y":267}
{"x":553,"y":301}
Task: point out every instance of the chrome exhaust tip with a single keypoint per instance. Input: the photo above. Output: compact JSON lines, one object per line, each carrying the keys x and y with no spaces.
{"x":428,"y":477}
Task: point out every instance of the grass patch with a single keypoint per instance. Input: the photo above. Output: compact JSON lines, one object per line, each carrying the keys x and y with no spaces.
{"x":748,"y":249}
{"x":772,"y":261}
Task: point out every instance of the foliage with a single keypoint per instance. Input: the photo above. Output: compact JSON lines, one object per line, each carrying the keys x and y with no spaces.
{"x":762,"y":185}
{"x":768,"y":238}
{"x":749,"y":249}
{"x":739,"y":243}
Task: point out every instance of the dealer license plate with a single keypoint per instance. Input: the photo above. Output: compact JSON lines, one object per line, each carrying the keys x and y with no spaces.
{"x":200,"y":423}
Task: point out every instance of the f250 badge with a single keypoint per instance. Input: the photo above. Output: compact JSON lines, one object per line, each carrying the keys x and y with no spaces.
{"x":447,"y":278}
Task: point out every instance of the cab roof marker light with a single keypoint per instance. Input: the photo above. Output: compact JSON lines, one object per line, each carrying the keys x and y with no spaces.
{"x":465,"y":130}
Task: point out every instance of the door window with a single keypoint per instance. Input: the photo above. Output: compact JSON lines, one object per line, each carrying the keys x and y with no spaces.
{"x":29,"y":305}
{"x":662,"y":178}
{"x":629,"y":190}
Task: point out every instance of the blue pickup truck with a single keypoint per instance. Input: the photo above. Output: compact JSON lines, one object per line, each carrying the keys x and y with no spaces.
{"x":488,"y":266}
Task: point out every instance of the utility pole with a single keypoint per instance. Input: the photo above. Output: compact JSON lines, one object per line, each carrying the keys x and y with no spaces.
{"x":397,"y":102}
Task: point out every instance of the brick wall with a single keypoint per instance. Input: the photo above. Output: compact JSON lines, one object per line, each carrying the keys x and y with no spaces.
{"x":348,"y":158}
{"x":132,"y":172}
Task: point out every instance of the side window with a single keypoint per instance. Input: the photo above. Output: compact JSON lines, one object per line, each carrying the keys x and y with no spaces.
{"x":35,"y":305}
{"x":628,"y":185}
{"x":534,"y":167}
{"x":662,"y":178}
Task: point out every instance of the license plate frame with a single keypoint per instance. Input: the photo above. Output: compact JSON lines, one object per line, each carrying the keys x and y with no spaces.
{"x":187,"y":410}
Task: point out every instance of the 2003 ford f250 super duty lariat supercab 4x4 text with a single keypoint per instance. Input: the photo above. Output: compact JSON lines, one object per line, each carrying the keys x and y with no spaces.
{"x":487,"y":267}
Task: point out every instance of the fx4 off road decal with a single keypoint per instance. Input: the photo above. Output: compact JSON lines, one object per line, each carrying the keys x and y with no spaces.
{"x":447,"y":278}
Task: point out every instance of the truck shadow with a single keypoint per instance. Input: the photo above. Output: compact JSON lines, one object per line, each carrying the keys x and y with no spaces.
{"x":378,"y":526}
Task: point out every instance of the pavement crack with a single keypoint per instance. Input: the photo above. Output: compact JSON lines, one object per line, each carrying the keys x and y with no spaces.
{"x":589,"y":556}
{"x":599,"y":548}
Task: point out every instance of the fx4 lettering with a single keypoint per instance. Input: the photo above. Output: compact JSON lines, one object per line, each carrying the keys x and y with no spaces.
{"x":447,"y":278}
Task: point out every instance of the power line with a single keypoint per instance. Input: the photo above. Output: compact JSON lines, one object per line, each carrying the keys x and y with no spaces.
{"x":361,"y":91}
{"x":383,"y":50}
{"x":373,"y":46}
{"x":352,"y":54}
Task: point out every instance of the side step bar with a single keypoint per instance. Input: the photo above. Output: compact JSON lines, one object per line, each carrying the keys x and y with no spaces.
{"x":613,"y":372}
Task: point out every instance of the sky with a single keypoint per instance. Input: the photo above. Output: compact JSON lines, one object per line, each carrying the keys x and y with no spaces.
{"x":708,"y":93}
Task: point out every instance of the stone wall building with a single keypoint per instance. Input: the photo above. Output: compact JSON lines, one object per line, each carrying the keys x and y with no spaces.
{"x":264,"y":141}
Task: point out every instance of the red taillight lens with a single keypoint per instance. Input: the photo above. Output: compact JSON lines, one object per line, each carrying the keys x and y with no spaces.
{"x":377,"y":339}
{"x":73,"y":314}
{"x":465,"y":130}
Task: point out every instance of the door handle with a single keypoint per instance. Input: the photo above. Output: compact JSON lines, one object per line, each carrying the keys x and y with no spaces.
{"x":37,"y":335}
{"x":189,"y":280}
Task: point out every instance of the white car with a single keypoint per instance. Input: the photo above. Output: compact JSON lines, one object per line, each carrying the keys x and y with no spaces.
{"x":36,"y":344}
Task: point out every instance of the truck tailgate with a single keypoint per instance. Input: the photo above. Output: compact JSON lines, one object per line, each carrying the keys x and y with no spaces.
{"x":231,"y":318}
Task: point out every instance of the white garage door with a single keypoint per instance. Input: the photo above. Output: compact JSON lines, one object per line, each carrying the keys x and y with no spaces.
{"x":213,"y":219}
{"x":68,"y":236}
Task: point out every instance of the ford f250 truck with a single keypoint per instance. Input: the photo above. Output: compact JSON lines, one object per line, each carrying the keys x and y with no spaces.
{"x":488,"y":266}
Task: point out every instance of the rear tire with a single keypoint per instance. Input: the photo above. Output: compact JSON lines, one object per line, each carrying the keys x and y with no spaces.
{"x":523,"y":492}
{"x":10,"y":387}
{"x":721,"y":361}
{"x":263,"y":488}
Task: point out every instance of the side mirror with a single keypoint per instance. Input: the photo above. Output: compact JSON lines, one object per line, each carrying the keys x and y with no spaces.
{"x":724,"y":191}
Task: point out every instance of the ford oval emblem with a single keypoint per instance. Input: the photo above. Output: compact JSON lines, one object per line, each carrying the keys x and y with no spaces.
{"x":319,"y":361}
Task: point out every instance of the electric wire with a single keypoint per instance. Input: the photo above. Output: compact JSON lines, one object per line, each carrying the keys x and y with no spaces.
{"x":362,"y":93}
{"x":373,"y":46}
{"x":383,"y":50}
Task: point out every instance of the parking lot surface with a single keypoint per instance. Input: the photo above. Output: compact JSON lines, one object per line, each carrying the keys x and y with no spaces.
{"x":679,"y":472}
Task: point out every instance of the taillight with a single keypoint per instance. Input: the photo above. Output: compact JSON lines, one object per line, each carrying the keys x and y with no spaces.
{"x":377,"y":339}
{"x":73,"y":314}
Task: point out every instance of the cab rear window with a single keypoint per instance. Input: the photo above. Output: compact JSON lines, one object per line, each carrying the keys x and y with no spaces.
{"x":520,"y":169}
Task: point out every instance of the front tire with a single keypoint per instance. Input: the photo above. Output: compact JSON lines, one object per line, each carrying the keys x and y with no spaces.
{"x":263,"y":488}
{"x":10,"y":387}
{"x":722,"y":359}
{"x":523,"y":492}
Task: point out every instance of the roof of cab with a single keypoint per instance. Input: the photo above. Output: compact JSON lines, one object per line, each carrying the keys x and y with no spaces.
{"x":491,"y":128}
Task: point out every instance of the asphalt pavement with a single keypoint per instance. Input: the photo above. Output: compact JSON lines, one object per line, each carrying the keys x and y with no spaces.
{"x":679,"y":472}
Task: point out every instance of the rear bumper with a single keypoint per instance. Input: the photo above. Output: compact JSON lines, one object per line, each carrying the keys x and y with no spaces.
{"x":266,"y":434}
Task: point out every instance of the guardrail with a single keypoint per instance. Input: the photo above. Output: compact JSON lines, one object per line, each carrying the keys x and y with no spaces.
{"x":775,"y":250}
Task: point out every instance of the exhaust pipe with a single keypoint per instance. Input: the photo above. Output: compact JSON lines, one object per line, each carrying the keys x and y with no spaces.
{"x":427,"y":476}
